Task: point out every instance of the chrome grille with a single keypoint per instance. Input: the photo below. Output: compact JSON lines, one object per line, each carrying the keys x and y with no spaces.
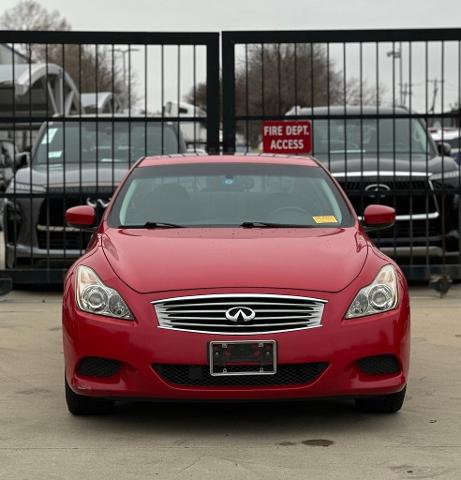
{"x":411,"y":194}
{"x":207,"y":313}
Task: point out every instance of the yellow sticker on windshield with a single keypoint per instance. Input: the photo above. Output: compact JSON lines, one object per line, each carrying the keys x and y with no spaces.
{"x":325,"y":219}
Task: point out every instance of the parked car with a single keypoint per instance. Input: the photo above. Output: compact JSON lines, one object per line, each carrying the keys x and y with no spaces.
{"x":233,"y":278}
{"x":10,"y":161}
{"x":73,"y":162}
{"x":452,"y":138}
{"x":392,"y":160}
{"x":7,"y":161}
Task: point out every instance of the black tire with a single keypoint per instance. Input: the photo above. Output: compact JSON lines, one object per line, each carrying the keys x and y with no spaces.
{"x":384,"y":404}
{"x":82,"y":405}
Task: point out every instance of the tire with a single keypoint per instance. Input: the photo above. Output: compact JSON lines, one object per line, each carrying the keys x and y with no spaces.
{"x":82,"y":405}
{"x":384,"y":404}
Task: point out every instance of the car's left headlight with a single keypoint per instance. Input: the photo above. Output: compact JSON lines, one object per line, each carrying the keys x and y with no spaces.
{"x":380,"y":296}
{"x":95,"y":297}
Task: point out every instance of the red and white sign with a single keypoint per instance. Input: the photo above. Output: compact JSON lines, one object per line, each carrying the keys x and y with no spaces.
{"x":287,"y":137}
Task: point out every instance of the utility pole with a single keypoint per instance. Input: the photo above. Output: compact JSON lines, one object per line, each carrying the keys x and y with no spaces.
{"x":403,"y":93}
{"x":435,"y":91}
{"x":397,"y":55}
{"x":407,"y":90}
{"x":124,"y":52}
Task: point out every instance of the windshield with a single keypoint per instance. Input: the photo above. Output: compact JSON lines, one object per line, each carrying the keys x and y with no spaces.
{"x":385,"y":137}
{"x":228,"y":195}
{"x":105,"y":141}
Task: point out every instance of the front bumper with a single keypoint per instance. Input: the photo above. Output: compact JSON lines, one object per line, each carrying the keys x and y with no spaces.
{"x":141,"y":345}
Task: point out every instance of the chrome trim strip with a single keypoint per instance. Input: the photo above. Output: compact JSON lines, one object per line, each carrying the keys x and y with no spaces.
{"x":56,"y":228}
{"x":239,"y":295}
{"x":223,"y":310}
{"x":227,"y":334}
{"x":191,"y":324}
{"x":381,"y":173}
{"x":416,"y":216}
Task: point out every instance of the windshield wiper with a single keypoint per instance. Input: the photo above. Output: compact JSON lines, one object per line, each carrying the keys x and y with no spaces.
{"x":153,"y":225}
{"x":273,"y":225}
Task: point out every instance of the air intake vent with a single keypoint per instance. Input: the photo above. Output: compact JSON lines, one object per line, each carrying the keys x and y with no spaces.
{"x":98,"y":367}
{"x":199,"y":375}
{"x":379,"y":365}
{"x":239,"y":314}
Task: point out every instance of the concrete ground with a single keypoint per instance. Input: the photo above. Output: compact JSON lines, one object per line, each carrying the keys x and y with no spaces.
{"x":314,"y":440}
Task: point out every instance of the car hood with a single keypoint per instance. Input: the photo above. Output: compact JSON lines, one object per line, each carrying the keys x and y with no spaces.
{"x":338,"y":164}
{"x":319,"y":259}
{"x":56,"y":176}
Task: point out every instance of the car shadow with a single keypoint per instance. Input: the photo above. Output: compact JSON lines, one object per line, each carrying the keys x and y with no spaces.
{"x":226,"y":419}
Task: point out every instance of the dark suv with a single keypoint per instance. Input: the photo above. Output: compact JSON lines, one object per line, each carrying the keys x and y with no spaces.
{"x":384,"y":155}
{"x":74,"y":162}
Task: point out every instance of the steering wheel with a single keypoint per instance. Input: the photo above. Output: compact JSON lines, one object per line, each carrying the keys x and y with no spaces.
{"x":299,"y":214}
{"x":342,"y":146}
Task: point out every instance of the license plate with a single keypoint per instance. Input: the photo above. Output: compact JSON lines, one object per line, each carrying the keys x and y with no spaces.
{"x":243,"y":358}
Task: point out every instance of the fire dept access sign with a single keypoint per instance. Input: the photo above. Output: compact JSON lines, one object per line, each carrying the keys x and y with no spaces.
{"x":287,"y":137}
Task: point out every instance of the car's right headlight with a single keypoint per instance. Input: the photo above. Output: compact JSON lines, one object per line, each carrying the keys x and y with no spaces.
{"x":380,"y":296}
{"x":95,"y":297}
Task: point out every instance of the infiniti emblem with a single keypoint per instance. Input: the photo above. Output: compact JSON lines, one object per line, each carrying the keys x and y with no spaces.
{"x":377,"y":189}
{"x":240,"y":314}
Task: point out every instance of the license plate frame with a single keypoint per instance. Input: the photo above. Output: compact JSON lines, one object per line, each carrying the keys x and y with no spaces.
{"x":266,"y":365}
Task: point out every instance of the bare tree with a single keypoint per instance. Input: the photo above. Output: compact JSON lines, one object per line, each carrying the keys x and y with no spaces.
{"x":271,"y":79}
{"x":30,"y":15}
{"x":93,"y":68}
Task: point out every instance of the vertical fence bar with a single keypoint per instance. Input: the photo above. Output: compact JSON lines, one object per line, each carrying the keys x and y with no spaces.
{"x":213,"y":96}
{"x":228,"y":82}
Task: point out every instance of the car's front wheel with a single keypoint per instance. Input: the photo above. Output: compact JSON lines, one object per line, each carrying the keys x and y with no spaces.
{"x":81,"y":405}
{"x":383,"y":404}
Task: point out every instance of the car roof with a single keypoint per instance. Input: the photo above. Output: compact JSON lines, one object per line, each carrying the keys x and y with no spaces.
{"x":341,"y":110}
{"x":188,"y":159}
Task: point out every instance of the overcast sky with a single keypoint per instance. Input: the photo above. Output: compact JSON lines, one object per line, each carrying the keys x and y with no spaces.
{"x":253,"y":14}
{"x":218,"y":15}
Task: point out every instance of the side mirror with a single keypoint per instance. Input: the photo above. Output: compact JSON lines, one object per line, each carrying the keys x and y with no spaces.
{"x":21,"y":160}
{"x":378,"y":217}
{"x":444,"y":149}
{"x":82,"y":216}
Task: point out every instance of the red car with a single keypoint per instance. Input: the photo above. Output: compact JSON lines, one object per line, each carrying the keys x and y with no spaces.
{"x":233,"y":278}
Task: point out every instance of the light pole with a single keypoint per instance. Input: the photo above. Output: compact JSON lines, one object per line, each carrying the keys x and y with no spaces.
{"x":397,"y":54}
{"x":124,"y":52}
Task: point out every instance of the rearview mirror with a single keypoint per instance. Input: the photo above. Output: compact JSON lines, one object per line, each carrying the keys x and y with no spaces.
{"x":378,"y":217}
{"x":82,"y":216}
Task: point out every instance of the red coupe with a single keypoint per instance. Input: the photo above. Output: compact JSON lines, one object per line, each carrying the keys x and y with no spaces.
{"x":233,"y":278}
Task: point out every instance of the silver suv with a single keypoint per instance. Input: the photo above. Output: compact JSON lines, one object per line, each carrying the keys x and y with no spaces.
{"x":74,"y":162}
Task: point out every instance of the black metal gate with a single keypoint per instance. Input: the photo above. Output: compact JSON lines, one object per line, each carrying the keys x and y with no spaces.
{"x":385,"y":110}
{"x":76,"y":110}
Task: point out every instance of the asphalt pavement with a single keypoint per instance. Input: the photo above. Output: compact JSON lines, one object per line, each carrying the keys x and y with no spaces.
{"x":39,"y":439}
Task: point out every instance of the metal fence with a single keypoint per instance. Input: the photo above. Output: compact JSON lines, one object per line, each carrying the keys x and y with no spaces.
{"x":77,"y":109}
{"x":385,"y":112}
